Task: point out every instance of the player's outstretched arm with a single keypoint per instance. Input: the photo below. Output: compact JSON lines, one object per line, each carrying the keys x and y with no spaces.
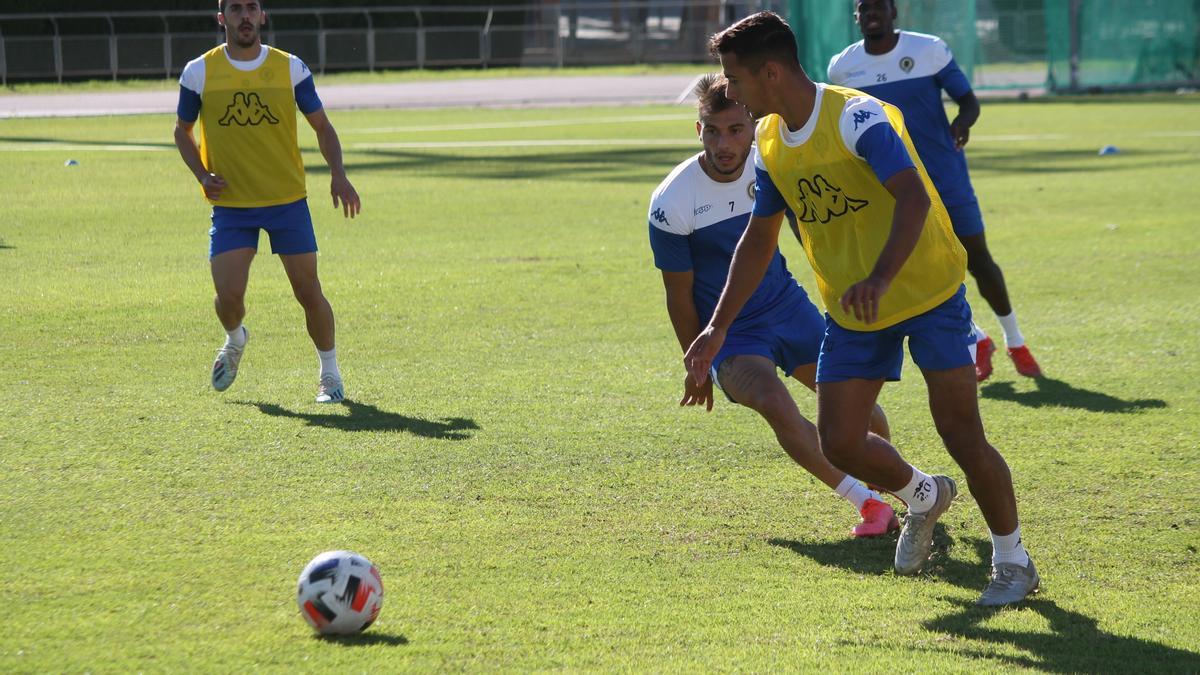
{"x":331,"y":149}
{"x":750,"y":262}
{"x":908,"y":219}
{"x":685,"y":319}
{"x":212,"y":183}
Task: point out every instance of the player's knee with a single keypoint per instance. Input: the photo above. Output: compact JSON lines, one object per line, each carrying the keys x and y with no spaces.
{"x":837,"y":445}
{"x":308,"y":292}
{"x":964,"y":442}
{"x":231,"y":297}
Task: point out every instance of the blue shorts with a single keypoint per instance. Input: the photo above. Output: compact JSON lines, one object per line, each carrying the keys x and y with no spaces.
{"x":966,"y":219}
{"x":939,"y":339}
{"x":790,"y":337}
{"x":288,"y":225}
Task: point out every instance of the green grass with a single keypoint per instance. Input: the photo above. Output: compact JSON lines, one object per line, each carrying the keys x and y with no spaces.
{"x":514,"y":459}
{"x":363,"y":77}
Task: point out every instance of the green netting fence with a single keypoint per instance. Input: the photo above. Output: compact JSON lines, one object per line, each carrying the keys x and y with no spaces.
{"x":1122,"y":44}
{"x":1061,"y":45}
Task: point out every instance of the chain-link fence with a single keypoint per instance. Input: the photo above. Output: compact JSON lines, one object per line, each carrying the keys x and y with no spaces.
{"x":1065,"y":45}
{"x":131,"y":44}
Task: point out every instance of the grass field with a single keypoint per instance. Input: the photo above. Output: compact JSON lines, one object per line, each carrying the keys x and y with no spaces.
{"x":513,"y":458}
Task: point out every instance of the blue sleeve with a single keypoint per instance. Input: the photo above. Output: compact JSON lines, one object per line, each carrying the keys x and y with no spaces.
{"x":306,"y":96}
{"x":884,"y":151}
{"x":189,"y":105}
{"x":672,"y":253}
{"x":953,"y":80}
{"x":767,"y":200}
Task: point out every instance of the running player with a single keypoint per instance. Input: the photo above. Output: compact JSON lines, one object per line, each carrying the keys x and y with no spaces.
{"x":910,"y":71}
{"x":245,"y":96}
{"x":888,"y":267}
{"x":696,"y":216}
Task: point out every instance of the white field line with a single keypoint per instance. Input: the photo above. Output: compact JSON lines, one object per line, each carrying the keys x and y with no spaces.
{"x":59,"y":146}
{"x":1004,"y":138}
{"x":523,"y":125}
{"x":544,"y":143}
{"x":63,"y":146}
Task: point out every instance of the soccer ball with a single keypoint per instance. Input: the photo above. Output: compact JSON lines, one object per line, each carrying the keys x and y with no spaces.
{"x":339,"y":593}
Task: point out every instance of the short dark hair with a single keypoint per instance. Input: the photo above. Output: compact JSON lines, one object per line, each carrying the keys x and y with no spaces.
{"x":757,"y":39}
{"x":710,"y":95}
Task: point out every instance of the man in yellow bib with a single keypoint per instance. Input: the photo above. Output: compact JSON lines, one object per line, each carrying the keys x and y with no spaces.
{"x":245,"y":96}
{"x":888,"y":267}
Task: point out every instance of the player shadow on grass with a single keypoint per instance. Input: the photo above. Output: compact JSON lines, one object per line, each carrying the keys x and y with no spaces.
{"x":1075,"y":643}
{"x":366,"y":417}
{"x":366,"y":639}
{"x":1059,"y":394}
{"x":877,"y":555}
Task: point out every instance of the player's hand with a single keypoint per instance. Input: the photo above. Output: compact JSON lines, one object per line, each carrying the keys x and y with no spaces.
{"x":341,"y":189}
{"x":960,"y":132}
{"x":700,"y":354}
{"x":696,"y":394}
{"x":863,"y":298}
{"x":213,"y":185}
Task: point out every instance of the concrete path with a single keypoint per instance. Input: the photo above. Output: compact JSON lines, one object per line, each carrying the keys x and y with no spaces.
{"x":483,"y":92}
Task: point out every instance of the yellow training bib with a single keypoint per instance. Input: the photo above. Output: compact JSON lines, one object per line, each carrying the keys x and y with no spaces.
{"x":248,"y":131}
{"x":845,"y":216}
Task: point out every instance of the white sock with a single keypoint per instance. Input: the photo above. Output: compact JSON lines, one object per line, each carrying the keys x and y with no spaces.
{"x":1012,"y":334}
{"x":852,"y":490}
{"x":980,"y":333}
{"x":921,"y":492}
{"x":329,"y":364}
{"x":1007,"y":548}
{"x":236,"y":337}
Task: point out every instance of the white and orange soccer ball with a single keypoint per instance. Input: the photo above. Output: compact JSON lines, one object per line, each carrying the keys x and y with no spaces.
{"x":339,"y":593}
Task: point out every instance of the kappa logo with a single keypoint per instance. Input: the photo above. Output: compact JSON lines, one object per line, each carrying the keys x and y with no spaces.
{"x":821,"y":201}
{"x":247,"y":109}
{"x":861,"y":116}
{"x":660,"y":216}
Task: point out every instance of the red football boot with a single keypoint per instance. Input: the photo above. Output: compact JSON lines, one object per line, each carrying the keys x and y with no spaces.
{"x":1024,"y":361}
{"x":877,"y":519}
{"x":983,"y":358}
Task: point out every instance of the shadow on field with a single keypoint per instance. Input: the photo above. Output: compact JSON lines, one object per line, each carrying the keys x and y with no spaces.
{"x":568,"y":163}
{"x":1051,"y":393}
{"x":876,"y":556}
{"x":366,"y":417}
{"x":6,"y":247}
{"x":1074,"y":644}
{"x":364,"y":639}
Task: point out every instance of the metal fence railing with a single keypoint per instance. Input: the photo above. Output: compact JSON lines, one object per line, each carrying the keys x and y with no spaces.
{"x":131,"y":44}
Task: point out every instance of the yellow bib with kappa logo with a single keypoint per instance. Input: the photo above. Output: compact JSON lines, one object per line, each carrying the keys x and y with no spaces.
{"x":248,"y":131}
{"x":845,"y":216}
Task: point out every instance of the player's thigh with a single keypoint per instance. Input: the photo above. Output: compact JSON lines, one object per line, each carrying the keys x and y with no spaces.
{"x":752,"y":381}
{"x":954,"y":404}
{"x":231,"y":271}
{"x":844,"y":411}
{"x":301,"y":270}
{"x":290,"y":229}
{"x":977,"y":250}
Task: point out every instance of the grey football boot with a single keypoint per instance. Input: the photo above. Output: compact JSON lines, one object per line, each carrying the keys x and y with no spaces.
{"x":916,"y":538}
{"x":225,"y":368}
{"x":1010,"y":583}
